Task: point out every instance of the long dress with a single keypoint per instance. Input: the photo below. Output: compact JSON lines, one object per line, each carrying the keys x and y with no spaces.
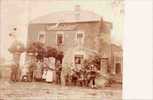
{"x":50,"y":72}
{"x":45,"y":68}
{"x":44,"y":74}
{"x":49,"y":75}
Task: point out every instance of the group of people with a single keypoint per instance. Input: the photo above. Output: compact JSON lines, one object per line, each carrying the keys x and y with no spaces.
{"x":49,"y":70}
{"x":82,"y":76}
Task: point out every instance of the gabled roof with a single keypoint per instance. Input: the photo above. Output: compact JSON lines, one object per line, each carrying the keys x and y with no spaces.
{"x":67,"y":17}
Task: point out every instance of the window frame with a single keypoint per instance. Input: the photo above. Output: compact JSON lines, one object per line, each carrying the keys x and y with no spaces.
{"x":78,"y":56}
{"x":59,"y":33}
{"x":83,"y":36}
{"x":44,"y":38}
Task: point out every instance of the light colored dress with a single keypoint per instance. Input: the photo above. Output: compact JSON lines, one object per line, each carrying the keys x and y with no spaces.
{"x":44,"y":74}
{"x":24,"y":71}
{"x":50,"y":72}
{"x":49,"y":76}
{"x":45,"y":65}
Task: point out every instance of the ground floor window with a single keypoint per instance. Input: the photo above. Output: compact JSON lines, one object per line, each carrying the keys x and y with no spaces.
{"x":42,"y":36}
{"x":78,"y":59}
{"x":60,"y":38}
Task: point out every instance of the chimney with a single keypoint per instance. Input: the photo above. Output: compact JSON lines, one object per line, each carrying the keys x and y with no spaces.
{"x":77,"y":11}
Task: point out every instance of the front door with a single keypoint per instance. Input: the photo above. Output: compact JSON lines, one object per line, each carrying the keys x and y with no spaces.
{"x":104,"y":65}
{"x":118,"y":68}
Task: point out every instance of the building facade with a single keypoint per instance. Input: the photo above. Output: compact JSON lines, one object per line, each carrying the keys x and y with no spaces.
{"x":78,"y":33}
{"x":117,"y":59}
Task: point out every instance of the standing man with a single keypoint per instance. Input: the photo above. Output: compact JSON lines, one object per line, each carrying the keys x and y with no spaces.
{"x":14,"y":72}
{"x":45,"y":68}
{"x":38,"y":71}
{"x":32,"y":68}
{"x":16,"y":49}
{"x":58,"y":70}
{"x":92,"y":73}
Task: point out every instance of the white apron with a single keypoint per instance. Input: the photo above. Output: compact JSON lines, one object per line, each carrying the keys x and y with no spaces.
{"x":44,"y":74}
{"x":49,"y":76}
{"x":50,"y":72}
{"x":45,"y":65}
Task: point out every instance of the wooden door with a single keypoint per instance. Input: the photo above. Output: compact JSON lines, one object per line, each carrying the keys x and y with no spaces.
{"x":104,"y":65}
{"x":118,"y":68}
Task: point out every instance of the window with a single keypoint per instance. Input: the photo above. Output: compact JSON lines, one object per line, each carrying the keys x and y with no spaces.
{"x":78,"y":59}
{"x":60,"y":38}
{"x":41,"y":37}
{"x":80,"y":37}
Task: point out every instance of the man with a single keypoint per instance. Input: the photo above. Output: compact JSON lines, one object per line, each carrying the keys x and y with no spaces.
{"x":14,"y":72}
{"x":74,"y":75}
{"x":45,"y":68}
{"x":82,"y":78}
{"x":32,"y":67}
{"x":58,"y":72}
{"x":38,"y":71}
{"x":92,"y":73}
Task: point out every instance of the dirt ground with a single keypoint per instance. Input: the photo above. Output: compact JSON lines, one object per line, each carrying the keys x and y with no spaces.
{"x":46,"y":91}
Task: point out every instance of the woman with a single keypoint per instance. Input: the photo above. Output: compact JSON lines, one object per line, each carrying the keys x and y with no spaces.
{"x":45,"y":68}
{"x":51,"y":68}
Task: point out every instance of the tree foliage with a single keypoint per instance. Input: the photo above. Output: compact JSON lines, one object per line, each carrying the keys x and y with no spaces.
{"x":41,"y":51}
{"x":51,"y":52}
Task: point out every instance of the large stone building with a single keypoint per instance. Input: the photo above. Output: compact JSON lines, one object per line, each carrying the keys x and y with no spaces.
{"x":78,"y":33}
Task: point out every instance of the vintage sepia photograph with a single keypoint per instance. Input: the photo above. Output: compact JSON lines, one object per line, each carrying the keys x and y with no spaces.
{"x":61,"y":49}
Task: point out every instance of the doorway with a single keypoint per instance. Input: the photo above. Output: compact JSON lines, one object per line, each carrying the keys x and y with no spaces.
{"x":118,"y":68}
{"x":104,"y":65}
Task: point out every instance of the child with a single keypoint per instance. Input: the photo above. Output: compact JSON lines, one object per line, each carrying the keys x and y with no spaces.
{"x":44,"y":74}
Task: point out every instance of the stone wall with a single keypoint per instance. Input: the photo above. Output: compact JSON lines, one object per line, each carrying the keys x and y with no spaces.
{"x":90,"y":29}
{"x":96,"y":35}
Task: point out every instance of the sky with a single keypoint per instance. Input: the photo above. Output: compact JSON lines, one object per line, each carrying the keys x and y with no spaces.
{"x":17,"y":13}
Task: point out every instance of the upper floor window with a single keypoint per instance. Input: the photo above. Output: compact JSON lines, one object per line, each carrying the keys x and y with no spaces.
{"x":60,"y":38}
{"x":80,"y":37}
{"x":42,"y":37}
